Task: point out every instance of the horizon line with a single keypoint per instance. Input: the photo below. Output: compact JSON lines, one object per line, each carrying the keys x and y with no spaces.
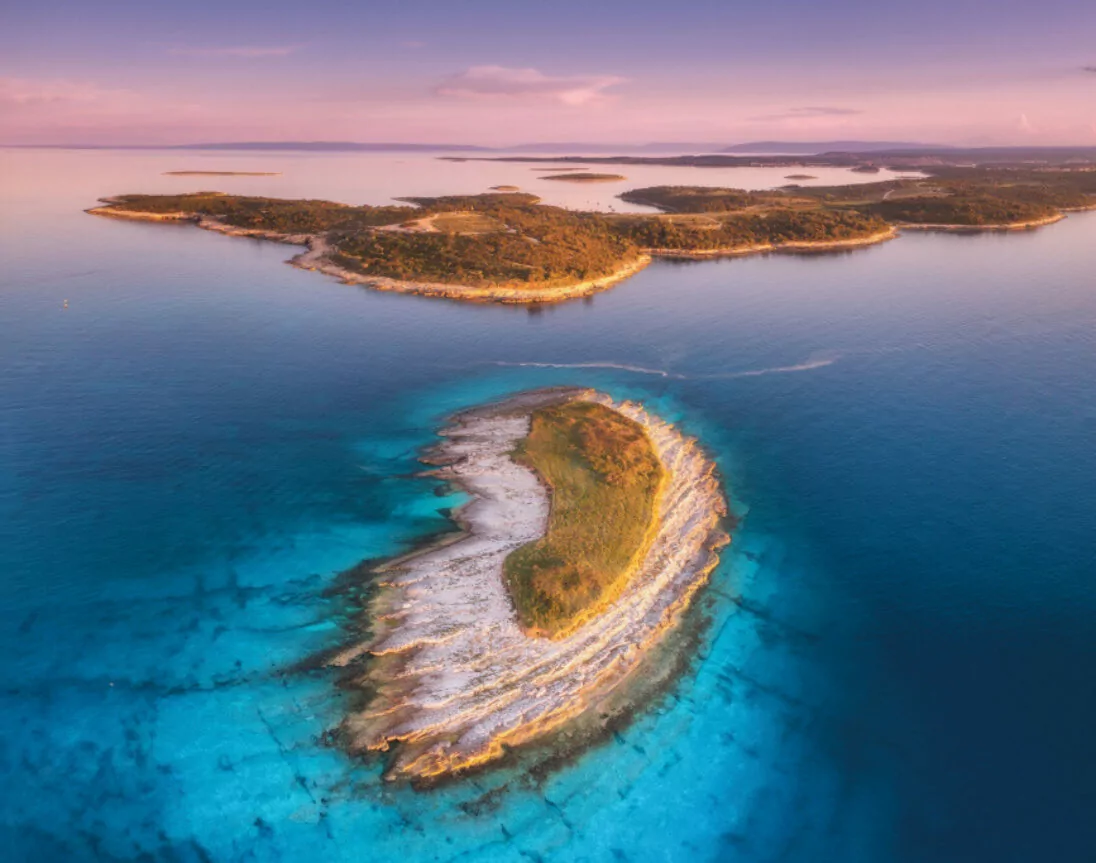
{"x":394,"y":145}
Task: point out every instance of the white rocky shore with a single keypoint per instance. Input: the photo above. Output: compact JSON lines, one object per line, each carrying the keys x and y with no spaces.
{"x":457,"y":681}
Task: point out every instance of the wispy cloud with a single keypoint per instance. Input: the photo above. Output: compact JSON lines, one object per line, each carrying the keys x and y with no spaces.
{"x":248,"y":51}
{"x":38,"y":91}
{"x":487,"y":82}
{"x":810,"y":112}
{"x":1091,"y":69}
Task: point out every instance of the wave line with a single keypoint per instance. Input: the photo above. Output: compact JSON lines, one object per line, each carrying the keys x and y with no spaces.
{"x":773,"y":370}
{"x":640,"y":370}
{"x":820,"y":362}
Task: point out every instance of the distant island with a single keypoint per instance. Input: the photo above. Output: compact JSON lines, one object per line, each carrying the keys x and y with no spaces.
{"x":508,"y":247}
{"x":810,"y":148}
{"x":801,"y":177}
{"x":222,"y":173}
{"x":585,"y":177}
{"x":916,"y":158}
{"x":592,"y":524}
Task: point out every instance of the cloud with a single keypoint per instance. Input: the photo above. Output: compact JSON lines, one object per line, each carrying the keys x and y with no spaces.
{"x":249,"y":51}
{"x":1091,"y":69}
{"x":36,"y":91}
{"x":810,"y":112}
{"x":494,"y":82}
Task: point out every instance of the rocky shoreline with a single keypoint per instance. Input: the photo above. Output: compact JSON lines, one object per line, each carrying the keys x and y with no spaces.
{"x":764,"y":248}
{"x":317,"y":257}
{"x":973,"y":229}
{"x":455,"y":682}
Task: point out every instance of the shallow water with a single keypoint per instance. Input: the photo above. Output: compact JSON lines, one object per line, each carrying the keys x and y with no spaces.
{"x":897,"y":665}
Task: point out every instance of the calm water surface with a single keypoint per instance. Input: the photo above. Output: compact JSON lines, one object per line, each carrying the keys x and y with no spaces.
{"x":378,"y":178}
{"x":898,"y":663}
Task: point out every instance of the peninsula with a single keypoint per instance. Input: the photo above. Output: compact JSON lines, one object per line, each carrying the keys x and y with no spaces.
{"x":507,"y":247}
{"x":592,"y":524}
{"x":501,"y":247}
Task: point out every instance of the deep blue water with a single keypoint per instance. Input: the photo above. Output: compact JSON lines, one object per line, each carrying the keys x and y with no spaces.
{"x":899,"y":661}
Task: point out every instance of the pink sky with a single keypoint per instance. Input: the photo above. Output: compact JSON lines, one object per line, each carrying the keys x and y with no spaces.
{"x":501,"y":73}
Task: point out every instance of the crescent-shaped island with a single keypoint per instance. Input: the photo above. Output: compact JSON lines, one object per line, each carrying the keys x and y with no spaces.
{"x":591,"y":526}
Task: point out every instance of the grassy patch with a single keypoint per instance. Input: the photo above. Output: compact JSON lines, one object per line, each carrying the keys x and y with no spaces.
{"x":528,"y":245}
{"x":605,"y":479}
{"x":466,"y":223}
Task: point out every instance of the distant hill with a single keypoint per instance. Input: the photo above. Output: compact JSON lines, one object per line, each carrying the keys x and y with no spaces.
{"x":813,"y":148}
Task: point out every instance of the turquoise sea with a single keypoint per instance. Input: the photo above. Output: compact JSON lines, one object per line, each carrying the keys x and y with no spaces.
{"x":196,"y":440}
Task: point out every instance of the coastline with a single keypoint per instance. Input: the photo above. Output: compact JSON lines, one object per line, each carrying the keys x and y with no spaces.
{"x":1028,"y":225}
{"x":316,"y":257}
{"x":763,"y":248}
{"x":457,"y":683}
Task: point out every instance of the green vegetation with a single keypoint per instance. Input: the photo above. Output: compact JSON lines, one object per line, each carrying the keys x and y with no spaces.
{"x":268,"y":214}
{"x":967,"y":196}
{"x":474,"y":202}
{"x":534,"y":246}
{"x":961,"y":209}
{"x":709,"y":218}
{"x":702,"y":199}
{"x":950,"y":195}
{"x":605,"y":480}
{"x":745,"y":230}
